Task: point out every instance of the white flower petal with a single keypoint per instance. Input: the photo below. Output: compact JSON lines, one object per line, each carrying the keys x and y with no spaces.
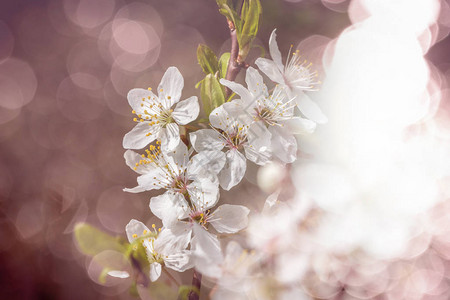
{"x":298,"y":125}
{"x":155,"y":271}
{"x":207,"y":252}
{"x":206,"y":139}
{"x":169,"y":207}
{"x":178,"y":158}
{"x":135,"y":99}
{"x":206,"y":243}
{"x":136,"y":189}
{"x":274,"y":51}
{"x":118,"y":274}
{"x":271,"y":200}
{"x":284,"y":144}
{"x":233,"y":171}
{"x":152,"y":179}
{"x":170,"y":137}
{"x":237,"y":88}
{"x":137,"y":228}
{"x":186,"y":111}
{"x":204,"y":192}
{"x":218,"y":118}
{"x":309,"y":108}
{"x":255,"y":83}
{"x":132,"y":160}
{"x":180,"y":261}
{"x":269,"y":68}
{"x":206,"y":162}
{"x":230,"y":218}
{"x":174,"y":239}
{"x":137,"y":138}
{"x":258,"y":149}
{"x":170,"y":87}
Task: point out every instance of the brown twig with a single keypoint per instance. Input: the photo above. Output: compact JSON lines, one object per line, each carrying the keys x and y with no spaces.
{"x":197,"y":283}
{"x":235,"y":64}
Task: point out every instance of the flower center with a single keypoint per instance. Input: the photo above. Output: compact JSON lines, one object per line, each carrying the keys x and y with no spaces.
{"x":154,"y":111}
{"x":200,"y":217}
{"x":298,"y":73}
{"x":180,"y":184}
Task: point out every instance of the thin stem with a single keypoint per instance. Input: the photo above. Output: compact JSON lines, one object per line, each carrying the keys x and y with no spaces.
{"x":234,"y":65}
{"x":197,"y":283}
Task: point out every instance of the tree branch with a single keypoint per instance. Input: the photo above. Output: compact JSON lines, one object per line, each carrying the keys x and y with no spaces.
{"x":234,"y":64}
{"x":196,"y":282}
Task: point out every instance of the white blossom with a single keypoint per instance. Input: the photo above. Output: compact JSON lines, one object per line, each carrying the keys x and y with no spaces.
{"x":185,"y":220}
{"x":158,"y":116}
{"x":274,"y":112}
{"x":295,"y":75}
{"x":230,"y":130}
{"x":175,"y":172}
{"x":162,"y":248}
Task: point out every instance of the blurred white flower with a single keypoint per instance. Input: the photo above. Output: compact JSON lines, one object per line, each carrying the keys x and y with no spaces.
{"x":295,"y":75}
{"x":270,"y":176}
{"x":236,"y":273}
{"x":156,"y":115}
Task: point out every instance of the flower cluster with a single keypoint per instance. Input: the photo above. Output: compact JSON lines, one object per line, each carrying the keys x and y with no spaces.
{"x":190,"y":166}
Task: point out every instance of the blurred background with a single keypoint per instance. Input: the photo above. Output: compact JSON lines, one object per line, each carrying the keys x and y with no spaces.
{"x":65,"y":69}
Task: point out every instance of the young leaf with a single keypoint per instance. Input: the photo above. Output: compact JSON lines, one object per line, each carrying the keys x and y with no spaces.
{"x":92,"y":241}
{"x":250,"y":16}
{"x":223,"y":64}
{"x":226,"y":9}
{"x":207,"y":59}
{"x":211,"y":94}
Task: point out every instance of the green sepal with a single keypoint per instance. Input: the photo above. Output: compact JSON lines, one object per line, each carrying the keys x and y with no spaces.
{"x":207,"y":59}
{"x":223,"y":64}
{"x":211,"y":94}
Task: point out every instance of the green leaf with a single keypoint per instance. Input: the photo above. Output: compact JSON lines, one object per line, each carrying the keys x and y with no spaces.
{"x":207,"y":59}
{"x":250,"y":16}
{"x":92,"y":241}
{"x":226,"y":8}
{"x":223,"y":64}
{"x":184,"y":290}
{"x":211,"y":94}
